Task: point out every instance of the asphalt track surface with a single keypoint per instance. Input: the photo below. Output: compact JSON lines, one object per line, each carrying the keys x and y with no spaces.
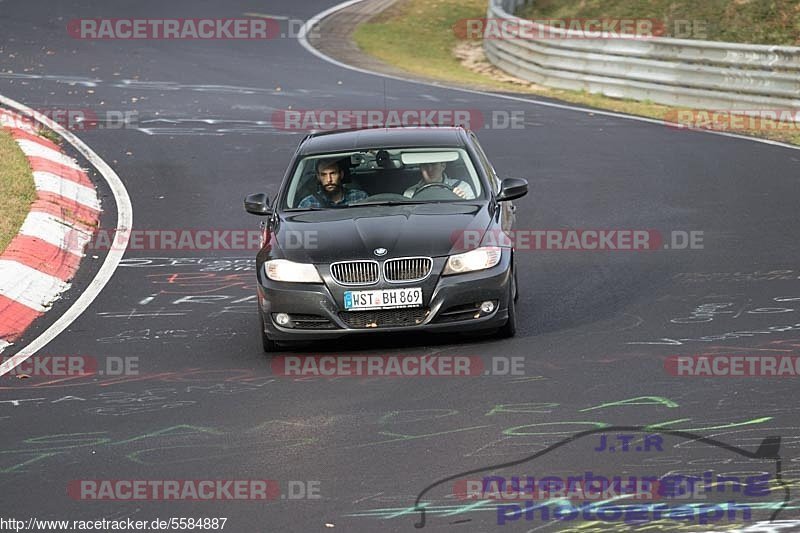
{"x":594,"y":327}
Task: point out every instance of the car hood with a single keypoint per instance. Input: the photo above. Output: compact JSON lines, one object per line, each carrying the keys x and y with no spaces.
{"x":356,"y":232}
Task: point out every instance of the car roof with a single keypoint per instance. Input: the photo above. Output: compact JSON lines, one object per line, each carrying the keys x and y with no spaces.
{"x":363,"y":139}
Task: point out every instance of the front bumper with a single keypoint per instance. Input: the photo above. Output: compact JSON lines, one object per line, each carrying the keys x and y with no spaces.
{"x":448,"y":305}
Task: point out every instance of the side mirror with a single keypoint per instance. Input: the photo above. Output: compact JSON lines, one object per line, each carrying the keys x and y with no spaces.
{"x":257,"y":204}
{"x":512,"y":188}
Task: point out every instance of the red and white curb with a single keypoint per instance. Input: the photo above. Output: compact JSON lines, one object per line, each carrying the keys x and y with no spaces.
{"x":37,"y":265}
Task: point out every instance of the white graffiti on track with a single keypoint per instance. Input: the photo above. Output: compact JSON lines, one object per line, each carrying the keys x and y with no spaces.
{"x":771,"y":275}
{"x":197,"y":302}
{"x":667,"y":341}
{"x":770,"y":330}
{"x":205,"y":264}
{"x":142,"y":85}
{"x":208,"y":126}
{"x":706,"y":312}
{"x":119,"y":403}
{"x":167,"y":335}
{"x":179,"y":294}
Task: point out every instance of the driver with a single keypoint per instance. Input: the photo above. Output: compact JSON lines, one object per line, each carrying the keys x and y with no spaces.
{"x":330,"y":191}
{"x":434,"y":173}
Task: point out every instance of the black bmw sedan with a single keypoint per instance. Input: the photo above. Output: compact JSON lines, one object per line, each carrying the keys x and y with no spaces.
{"x":390,"y":229}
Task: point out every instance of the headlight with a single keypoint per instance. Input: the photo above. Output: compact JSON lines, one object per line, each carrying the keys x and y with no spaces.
{"x":283,"y":270}
{"x":478,"y":259}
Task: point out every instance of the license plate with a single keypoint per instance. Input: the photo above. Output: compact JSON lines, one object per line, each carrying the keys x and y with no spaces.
{"x":383,"y":299}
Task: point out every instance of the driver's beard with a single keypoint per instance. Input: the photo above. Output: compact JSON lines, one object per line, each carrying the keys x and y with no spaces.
{"x":337,"y":193}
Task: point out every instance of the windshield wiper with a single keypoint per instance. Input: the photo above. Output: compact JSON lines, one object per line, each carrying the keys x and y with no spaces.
{"x":392,"y":202}
{"x":296,"y":209}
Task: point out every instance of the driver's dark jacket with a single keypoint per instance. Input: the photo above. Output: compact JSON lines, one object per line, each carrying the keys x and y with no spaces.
{"x":320,"y":199}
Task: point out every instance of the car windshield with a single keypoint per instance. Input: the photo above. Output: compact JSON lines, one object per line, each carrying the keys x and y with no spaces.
{"x":383,"y":177}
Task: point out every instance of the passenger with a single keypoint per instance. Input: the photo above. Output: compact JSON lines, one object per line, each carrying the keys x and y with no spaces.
{"x":331,"y":192}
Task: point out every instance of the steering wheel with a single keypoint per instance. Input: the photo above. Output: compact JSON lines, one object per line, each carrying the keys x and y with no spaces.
{"x":435,"y":184}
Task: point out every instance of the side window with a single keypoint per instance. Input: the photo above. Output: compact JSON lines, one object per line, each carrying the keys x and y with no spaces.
{"x":487,"y":166}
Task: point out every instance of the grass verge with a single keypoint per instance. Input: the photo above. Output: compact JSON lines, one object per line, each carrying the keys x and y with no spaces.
{"x":16,"y":184}
{"x":417,"y":36}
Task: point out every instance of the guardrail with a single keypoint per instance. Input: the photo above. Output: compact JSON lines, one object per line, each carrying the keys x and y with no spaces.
{"x":678,"y":72}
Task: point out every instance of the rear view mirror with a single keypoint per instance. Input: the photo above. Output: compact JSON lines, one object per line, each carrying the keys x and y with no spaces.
{"x":512,"y":188}
{"x":257,"y":204}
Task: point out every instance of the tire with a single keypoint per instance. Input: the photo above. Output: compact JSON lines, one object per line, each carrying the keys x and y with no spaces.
{"x":269,"y":344}
{"x":509,"y":329}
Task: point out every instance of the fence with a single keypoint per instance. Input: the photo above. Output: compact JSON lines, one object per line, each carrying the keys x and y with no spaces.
{"x":679,"y":72}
